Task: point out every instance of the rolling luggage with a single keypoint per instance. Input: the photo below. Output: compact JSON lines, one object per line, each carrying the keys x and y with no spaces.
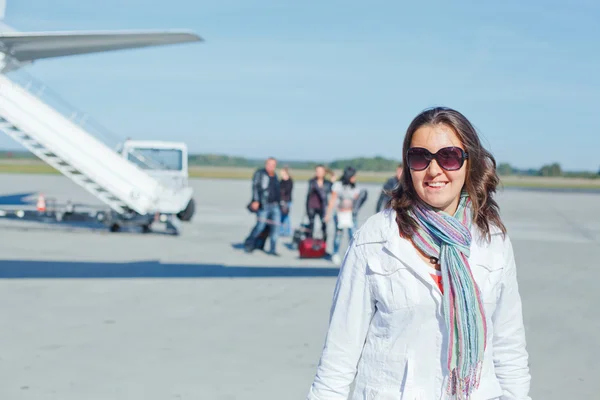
{"x":262,"y":238}
{"x":312,"y":248}
{"x":308,"y":247}
{"x":259,"y":242}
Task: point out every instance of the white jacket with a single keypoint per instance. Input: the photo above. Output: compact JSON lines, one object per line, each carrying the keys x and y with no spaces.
{"x":387,"y":332}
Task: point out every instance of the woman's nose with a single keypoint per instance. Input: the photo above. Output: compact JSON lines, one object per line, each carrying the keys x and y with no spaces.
{"x":434,"y":168}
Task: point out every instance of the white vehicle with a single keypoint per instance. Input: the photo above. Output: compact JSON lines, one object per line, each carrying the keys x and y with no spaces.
{"x":167,"y":162}
{"x":64,"y":138}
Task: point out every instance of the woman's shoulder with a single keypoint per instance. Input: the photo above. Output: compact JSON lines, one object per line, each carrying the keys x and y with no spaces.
{"x":497,"y":243}
{"x":377,"y":227}
{"x":495,"y":232}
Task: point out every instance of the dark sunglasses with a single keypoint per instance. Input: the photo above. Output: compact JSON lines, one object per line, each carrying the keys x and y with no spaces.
{"x":449,"y":158}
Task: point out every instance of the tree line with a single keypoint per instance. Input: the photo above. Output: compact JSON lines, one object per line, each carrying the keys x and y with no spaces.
{"x":372,"y":164}
{"x":377,"y":164}
{"x":553,"y":169}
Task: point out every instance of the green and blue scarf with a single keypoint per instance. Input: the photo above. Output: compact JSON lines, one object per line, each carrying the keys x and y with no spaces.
{"x":448,"y":238}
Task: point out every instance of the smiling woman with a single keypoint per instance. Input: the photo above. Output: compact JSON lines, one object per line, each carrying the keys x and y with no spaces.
{"x":401,"y":329}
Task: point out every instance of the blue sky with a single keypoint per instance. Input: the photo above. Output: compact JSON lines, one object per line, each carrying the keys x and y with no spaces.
{"x":301,"y":78}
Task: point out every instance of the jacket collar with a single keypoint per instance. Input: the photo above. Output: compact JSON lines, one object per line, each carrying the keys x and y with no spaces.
{"x":383,"y":229}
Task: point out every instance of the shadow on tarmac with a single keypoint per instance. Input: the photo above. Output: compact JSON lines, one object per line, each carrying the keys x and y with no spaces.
{"x":25,"y":269}
{"x":17,"y":199}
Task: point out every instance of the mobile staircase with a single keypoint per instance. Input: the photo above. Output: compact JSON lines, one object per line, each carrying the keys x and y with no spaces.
{"x":132,"y":195}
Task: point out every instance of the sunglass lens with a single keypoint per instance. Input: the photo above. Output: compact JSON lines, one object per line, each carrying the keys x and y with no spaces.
{"x":417,"y":159}
{"x":450,"y":158}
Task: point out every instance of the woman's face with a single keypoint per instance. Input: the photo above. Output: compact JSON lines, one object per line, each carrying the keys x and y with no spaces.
{"x":434,"y":185}
{"x":320,"y":172}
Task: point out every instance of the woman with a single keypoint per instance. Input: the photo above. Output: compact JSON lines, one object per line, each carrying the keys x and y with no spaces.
{"x":344,"y":194}
{"x":317,"y":197}
{"x":427,"y":304}
{"x":286,"y":186}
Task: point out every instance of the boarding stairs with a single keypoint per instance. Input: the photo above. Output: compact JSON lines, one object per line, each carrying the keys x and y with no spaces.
{"x":63,"y":166}
{"x":63,"y":142}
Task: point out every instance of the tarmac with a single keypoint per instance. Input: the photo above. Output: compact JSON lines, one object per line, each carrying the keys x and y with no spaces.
{"x":94,"y":315}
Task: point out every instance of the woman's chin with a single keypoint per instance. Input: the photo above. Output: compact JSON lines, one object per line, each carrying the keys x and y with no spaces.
{"x":438,"y":200}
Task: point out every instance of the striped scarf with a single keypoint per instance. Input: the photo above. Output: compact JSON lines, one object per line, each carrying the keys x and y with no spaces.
{"x":448,"y":238}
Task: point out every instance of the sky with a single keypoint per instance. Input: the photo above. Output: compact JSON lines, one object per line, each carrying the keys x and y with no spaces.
{"x":324,"y":80}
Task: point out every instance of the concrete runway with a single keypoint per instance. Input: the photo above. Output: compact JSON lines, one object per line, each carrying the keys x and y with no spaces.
{"x":96,"y":316}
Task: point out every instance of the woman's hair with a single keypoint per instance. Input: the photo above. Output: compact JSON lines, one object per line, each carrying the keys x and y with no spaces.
{"x":349,"y":172}
{"x":481,"y":177}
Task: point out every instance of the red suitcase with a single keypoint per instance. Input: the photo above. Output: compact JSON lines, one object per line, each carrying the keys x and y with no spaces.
{"x":312,"y":248}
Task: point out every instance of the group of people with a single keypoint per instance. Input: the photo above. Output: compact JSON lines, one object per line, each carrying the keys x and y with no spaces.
{"x":328,"y":198}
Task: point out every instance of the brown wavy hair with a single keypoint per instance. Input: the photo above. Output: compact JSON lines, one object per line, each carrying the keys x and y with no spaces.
{"x":481,"y":178}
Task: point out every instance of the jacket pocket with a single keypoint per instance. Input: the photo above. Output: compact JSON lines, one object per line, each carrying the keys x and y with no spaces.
{"x":394,"y":287}
{"x":388,"y":390}
{"x":488,"y":273}
{"x":384,"y":394}
{"x":489,"y":389}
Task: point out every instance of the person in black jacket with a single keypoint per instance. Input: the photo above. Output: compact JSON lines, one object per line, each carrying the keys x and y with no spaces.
{"x":317,"y":197}
{"x":266,"y":197}
{"x":287,"y":185}
{"x":391,"y":183}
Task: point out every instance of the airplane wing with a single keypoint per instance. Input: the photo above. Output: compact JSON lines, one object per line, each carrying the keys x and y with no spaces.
{"x":29,"y":46}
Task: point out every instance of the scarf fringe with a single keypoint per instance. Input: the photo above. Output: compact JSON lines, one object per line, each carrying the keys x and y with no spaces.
{"x":462,"y":388}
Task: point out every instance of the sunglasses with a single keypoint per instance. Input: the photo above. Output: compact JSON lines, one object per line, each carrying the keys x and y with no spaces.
{"x":449,"y":158}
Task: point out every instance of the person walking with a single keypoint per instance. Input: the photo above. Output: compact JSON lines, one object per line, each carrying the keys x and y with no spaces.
{"x":266,"y":197}
{"x":427,"y":303}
